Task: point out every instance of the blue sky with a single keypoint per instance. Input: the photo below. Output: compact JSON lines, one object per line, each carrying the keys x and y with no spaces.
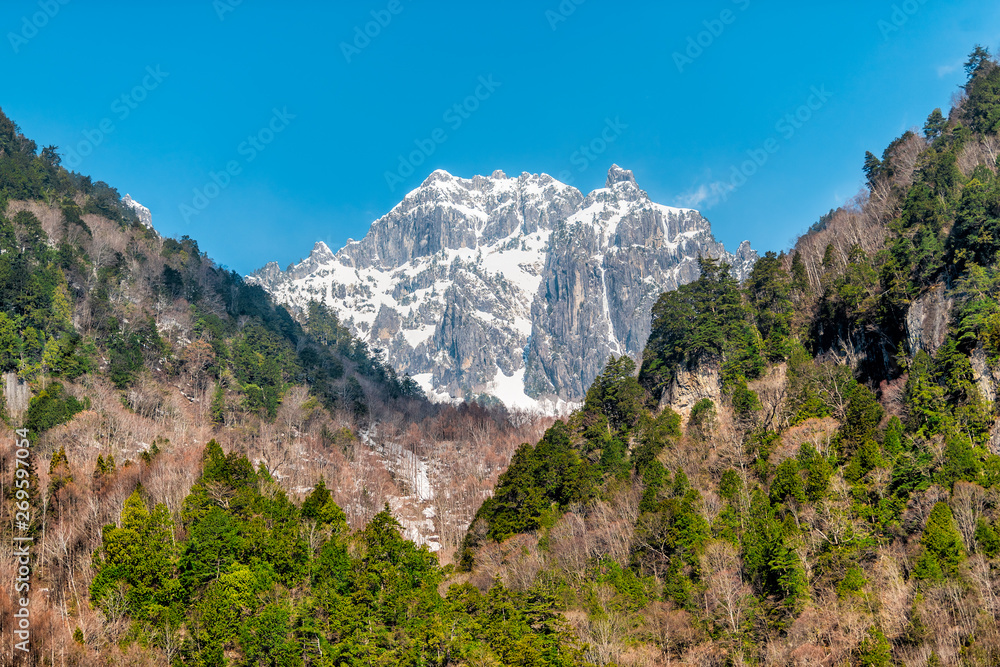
{"x":302,"y":130}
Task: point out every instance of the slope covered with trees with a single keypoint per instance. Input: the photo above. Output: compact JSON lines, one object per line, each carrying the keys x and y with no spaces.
{"x":122,"y":354}
{"x":805,"y":470}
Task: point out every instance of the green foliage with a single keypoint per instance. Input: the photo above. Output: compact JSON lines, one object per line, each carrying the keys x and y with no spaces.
{"x":51,"y":407}
{"x":616,"y":396}
{"x":815,"y":390}
{"x":800,"y":277}
{"x":552,"y":474}
{"x":320,"y":507}
{"x":852,"y":584}
{"x":128,"y":351}
{"x":105,"y":466}
{"x":745,"y":401}
{"x":136,"y":559}
{"x":935,"y":125}
{"x":942,"y":543}
{"x":10,"y":344}
{"x":703,"y":320}
{"x":730,"y":485}
{"x":924,"y":397}
{"x":787,"y":483}
{"x":59,"y":472}
{"x":237,"y":583}
{"x":861,"y":421}
{"x":325,"y":327}
{"x":819,"y":472}
{"x":987,"y":538}
{"x":976,"y":234}
{"x":676,"y":531}
{"x":218,"y":406}
{"x":655,"y":434}
{"x":979,"y":62}
{"x":982,"y":110}
{"x":634,"y":593}
{"x":703,"y":418}
{"x":768,"y":291}
{"x":875,"y":650}
{"x":892,"y":441}
{"x":942,"y":395}
{"x":768,"y":558}
{"x":961,"y":462}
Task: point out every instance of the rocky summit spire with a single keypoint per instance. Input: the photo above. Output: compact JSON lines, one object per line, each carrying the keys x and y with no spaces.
{"x":618,"y":175}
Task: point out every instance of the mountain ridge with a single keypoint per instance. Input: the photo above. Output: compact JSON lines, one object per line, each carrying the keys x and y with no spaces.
{"x":516,"y":288}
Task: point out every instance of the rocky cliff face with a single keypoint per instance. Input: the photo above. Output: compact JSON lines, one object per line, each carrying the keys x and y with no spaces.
{"x":145,"y":217}
{"x":927,"y":320}
{"x":518,"y":288}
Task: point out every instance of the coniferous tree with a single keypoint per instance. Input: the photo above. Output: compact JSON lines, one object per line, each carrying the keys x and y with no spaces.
{"x":943,"y":551}
{"x":935,"y":125}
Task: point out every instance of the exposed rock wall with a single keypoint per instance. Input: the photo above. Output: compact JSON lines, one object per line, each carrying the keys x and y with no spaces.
{"x":516,"y":287}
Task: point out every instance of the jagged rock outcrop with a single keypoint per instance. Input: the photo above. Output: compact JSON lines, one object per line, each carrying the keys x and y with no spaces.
{"x":18,"y":394}
{"x":519,"y":288}
{"x":145,"y":216}
{"x":984,"y":375}
{"x":690,"y":386}
{"x":927,"y":320}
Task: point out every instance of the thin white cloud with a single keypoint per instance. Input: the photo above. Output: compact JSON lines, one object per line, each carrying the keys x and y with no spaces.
{"x":945,"y":70}
{"x":706,"y":195}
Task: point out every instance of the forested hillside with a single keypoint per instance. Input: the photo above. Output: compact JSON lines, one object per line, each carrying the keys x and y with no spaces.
{"x":123,"y":354}
{"x":805,"y":469}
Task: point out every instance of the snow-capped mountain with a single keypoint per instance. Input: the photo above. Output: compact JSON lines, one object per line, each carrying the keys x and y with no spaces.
{"x":145,"y":217}
{"x":518,"y":288}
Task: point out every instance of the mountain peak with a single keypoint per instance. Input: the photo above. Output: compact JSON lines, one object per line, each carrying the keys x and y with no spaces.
{"x":437,"y":175}
{"x":618,"y":175}
{"x":321,"y":251}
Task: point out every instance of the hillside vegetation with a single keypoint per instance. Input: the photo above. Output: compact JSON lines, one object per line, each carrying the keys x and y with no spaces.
{"x":802,"y":471}
{"x":805,"y":469}
{"x":123,"y":354}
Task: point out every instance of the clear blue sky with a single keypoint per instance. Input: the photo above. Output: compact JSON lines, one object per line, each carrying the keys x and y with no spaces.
{"x":323,"y":176}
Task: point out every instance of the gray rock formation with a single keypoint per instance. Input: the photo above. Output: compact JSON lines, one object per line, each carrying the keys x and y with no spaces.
{"x":519,"y":288}
{"x":145,"y":217}
{"x":927,"y":320}
{"x":690,"y":386}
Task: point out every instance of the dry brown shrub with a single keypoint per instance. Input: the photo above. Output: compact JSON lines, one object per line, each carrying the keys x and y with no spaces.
{"x":838,"y":629}
{"x":514,"y":562}
{"x":817,"y":432}
{"x":673,"y":630}
{"x":919,"y":508}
